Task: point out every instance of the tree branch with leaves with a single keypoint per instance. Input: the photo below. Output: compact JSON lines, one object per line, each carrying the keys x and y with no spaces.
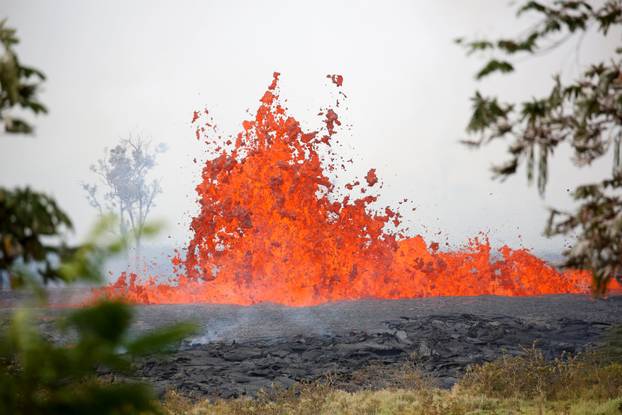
{"x":585,"y":114}
{"x":19,"y":85}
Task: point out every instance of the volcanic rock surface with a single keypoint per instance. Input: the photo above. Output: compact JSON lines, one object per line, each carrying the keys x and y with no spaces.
{"x":242,"y":349}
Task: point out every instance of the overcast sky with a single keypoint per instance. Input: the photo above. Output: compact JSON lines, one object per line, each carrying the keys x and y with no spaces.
{"x":141,"y":67}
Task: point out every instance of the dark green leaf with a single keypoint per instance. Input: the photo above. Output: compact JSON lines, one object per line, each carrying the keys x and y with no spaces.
{"x":494,"y":66}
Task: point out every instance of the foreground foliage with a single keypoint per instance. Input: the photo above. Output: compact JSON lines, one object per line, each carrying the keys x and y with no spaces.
{"x":41,"y":376}
{"x":38,"y":376}
{"x":585,"y":114}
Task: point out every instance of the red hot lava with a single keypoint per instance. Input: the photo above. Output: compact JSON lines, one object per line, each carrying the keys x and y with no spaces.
{"x":273,"y":228}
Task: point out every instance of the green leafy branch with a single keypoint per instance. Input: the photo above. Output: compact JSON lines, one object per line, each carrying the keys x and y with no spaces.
{"x":19,"y":84}
{"x":585,"y":114}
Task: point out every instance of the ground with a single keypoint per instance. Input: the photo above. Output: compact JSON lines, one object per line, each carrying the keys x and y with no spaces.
{"x":360,"y":345}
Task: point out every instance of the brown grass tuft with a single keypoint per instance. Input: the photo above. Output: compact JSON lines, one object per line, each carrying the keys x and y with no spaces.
{"x":531,"y":376}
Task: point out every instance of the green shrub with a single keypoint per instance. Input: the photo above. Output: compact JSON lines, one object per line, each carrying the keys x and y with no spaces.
{"x":41,"y":376}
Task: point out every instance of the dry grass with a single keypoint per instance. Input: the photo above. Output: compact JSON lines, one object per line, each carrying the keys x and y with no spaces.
{"x":530,"y":376}
{"x":430,"y":402}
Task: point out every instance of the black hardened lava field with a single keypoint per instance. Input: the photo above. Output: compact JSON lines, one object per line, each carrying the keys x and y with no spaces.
{"x":240,"y":350}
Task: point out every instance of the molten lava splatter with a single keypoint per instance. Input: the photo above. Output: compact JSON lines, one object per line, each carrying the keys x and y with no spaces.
{"x":273,"y":228}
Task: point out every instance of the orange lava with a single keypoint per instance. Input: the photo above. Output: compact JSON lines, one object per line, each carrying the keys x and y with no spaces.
{"x":273,"y":228}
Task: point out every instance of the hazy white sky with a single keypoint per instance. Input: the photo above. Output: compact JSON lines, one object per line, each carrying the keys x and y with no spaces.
{"x":121,"y":67}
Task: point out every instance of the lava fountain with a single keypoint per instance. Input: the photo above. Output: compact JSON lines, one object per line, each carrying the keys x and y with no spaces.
{"x":272,"y":227}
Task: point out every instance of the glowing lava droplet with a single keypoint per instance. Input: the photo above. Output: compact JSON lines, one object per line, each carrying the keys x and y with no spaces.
{"x":272,"y":228}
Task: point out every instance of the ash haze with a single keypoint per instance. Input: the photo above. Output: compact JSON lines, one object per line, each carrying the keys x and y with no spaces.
{"x":118,"y":67}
